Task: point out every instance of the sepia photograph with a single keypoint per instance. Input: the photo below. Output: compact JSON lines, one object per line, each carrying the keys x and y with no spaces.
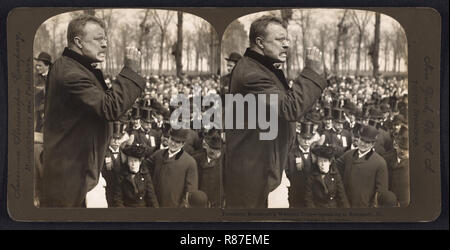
{"x":342,"y":84}
{"x":103,"y":138}
{"x":110,"y":130}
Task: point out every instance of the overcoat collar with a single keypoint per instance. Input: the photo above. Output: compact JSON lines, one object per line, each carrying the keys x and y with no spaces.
{"x":83,"y":60}
{"x":177,"y":156}
{"x":79,"y":58}
{"x":268,"y":63}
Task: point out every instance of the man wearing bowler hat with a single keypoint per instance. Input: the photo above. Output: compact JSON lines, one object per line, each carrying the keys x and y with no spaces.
{"x":384,"y":143}
{"x":399,"y":177}
{"x":175,"y":171}
{"x":42,"y":66}
{"x":363,"y":170}
{"x":210,"y":163}
{"x":338,"y":137}
{"x":78,"y":110}
{"x":226,"y":79}
{"x":300,"y":164}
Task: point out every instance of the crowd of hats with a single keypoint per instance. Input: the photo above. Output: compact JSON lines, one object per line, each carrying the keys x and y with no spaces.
{"x":368,"y":100}
{"x":154,"y":104}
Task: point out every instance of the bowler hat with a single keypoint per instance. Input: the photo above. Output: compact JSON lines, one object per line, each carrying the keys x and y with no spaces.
{"x":350,"y":107}
{"x":323,"y":151}
{"x":135,"y":112}
{"x":338,"y":115}
{"x":45,"y":57}
{"x":134,"y":150}
{"x":306,"y":129}
{"x":146,"y":114}
{"x":198,"y":199}
{"x":214,"y":141}
{"x":387,"y":199}
{"x":234,"y":56}
{"x":368,"y":133}
{"x":179,"y":134}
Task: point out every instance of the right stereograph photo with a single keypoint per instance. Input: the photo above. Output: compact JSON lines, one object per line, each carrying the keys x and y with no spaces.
{"x":340,"y":85}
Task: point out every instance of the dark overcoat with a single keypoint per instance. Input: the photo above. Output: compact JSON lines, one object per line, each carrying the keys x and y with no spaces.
{"x":326,"y":192}
{"x":399,"y":181}
{"x":253,"y":166}
{"x":110,"y":172}
{"x":297,"y":177}
{"x":210,"y":177}
{"x":78,"y":110}
{"x":363,"y":177}
{"x":134,"y":190}
{"x":173,"y":177}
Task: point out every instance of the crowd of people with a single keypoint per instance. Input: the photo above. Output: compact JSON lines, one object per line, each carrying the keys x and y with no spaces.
{"x":349,"y":149}
{"x":352,"y":111}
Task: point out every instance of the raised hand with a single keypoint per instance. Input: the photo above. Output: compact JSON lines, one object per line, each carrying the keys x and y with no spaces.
{"x":132,"y":59}
{"x":314,"y":60}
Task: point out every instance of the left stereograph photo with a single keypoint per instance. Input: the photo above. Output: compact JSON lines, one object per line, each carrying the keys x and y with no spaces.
{"x":103,"y":82}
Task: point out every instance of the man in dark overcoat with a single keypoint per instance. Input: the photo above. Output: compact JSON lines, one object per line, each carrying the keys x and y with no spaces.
{"x":399,"y":178}
{"x":78,"y":109}
{"x":300,"y":165}
{"x":226,"y":79}
{"x":175,"y":171}
{"x":363,"y":170}
{"x":254,"y":167}
{"x":338,"y":137}
{"x":210,"y":163}
{"x":43,"y":63}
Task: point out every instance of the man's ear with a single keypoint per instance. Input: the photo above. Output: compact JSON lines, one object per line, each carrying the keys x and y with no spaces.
{"x":258,"y":41}
{"x":78,"y":42}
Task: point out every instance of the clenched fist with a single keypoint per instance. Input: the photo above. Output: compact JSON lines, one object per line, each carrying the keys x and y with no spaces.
{"x":314,"y":60}
{"x":132,"y":59}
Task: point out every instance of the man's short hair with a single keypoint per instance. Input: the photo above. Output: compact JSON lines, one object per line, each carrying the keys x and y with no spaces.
{"x":258,"y":27}
{"x":77,"y":25}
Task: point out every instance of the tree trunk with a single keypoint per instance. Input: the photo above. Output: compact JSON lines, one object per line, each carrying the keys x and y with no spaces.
{"x":358,"y":52}
{"x":376,"y":47}
{"x":178,"y":52}
{"x":161,"y":51}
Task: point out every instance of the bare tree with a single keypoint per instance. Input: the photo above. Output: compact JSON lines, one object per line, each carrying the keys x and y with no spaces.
{"x":399,"y":46}
{"x":375,"y":47}
{"x":179,"y":45}
{"x":361,"y":22}
{"x":162,"y":22}
{"x":342,"y":31}
{"x":325,"y":35}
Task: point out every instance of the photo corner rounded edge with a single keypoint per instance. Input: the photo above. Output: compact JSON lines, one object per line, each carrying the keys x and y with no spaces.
{"x":13,"y":208}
